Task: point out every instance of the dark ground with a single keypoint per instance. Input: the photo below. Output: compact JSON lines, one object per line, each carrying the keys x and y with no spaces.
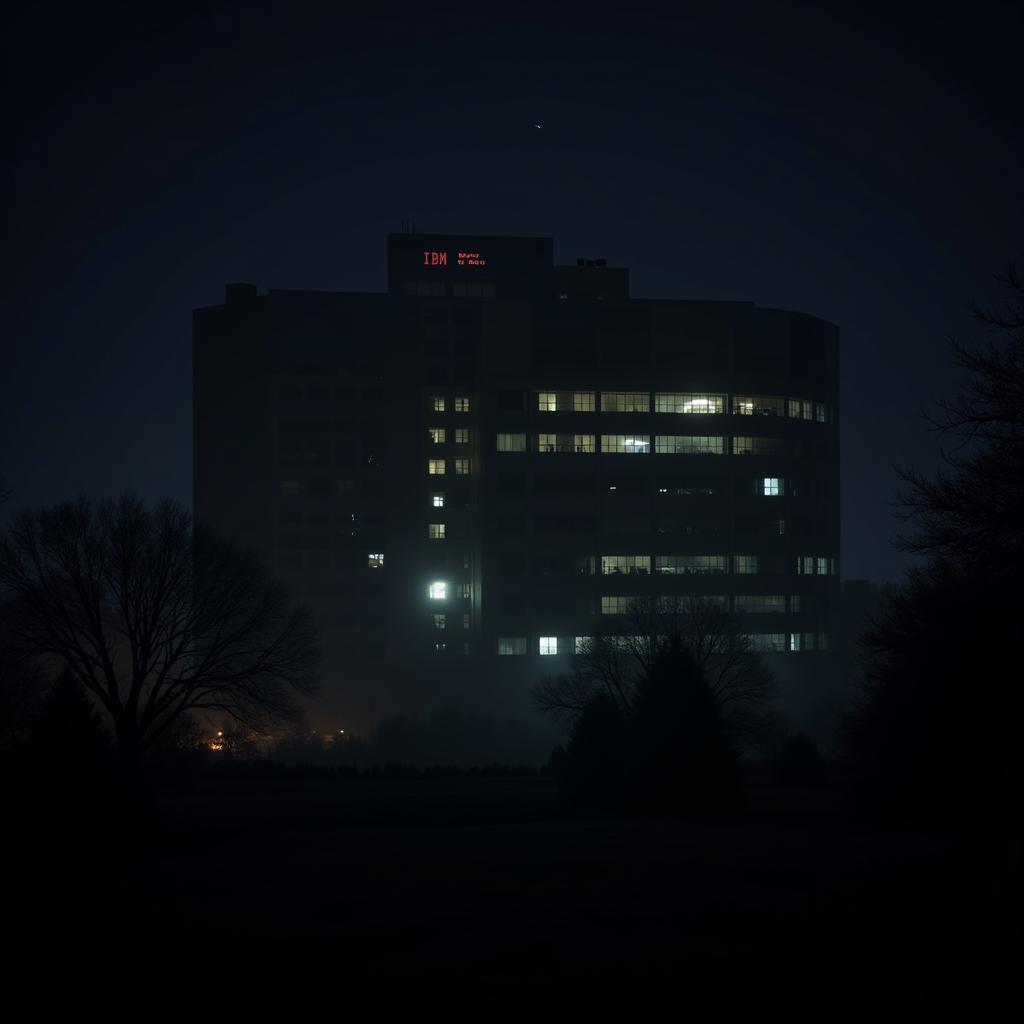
{"x":323,"y":889}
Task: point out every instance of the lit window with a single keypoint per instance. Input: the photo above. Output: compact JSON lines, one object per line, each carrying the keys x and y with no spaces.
{"x":512,"y":645}
{"x":462,"y":405}
{"x":617,"y":605}
{"x":690,"y":565}
{"x":375,"y":560}
{"x":440,"y":647}
{"x":461,"y":434}
{"x":744,"y":564}
{"x":625,"y":401}
{"x":583,"y":443}
{"x":547,"y":401}
{"x":614,"y":564}
{"x":436,"y":434}
{"x":435,"y":467}
{"x":464,"y":589}
{"x":822,"y":566}
{"x":820,"y":412}
{"x":566,"y":443}
{"x":437,"y":499}
{"x":757,"y":405}
{"x":767,"y":642}
{"x":583,"y":401}
{"x":462,"y":467}
{"x":800,"y":409}
{"x":794,"y":641}
{"x":511,"y":442}
{"x":435,"y":531}
{"x":771,"y":487}
{"x":693,"y":404}
{"x":684,"y":444}
{"x":583,"y":644}
{"x":549,"y":645}
{"x":438,"y":590}
{"x":565,"y":401}
{"x":437,"y":403}
{"x":626,"y":444}
{"x":440,"y":621}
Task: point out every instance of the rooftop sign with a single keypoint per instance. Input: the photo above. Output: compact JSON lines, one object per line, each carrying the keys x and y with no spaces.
{"x":439,"y":258}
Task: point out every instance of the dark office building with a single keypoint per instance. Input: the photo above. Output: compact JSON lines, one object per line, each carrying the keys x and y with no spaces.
{"x":468,"y":475}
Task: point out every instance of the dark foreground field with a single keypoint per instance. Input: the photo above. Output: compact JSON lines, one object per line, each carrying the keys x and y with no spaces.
{"x":257,"y":891}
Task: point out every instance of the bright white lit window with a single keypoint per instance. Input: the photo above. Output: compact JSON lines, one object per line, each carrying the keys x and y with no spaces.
{"x":771,"y":486}
{"x":462,"y":405}
{"x":694,"y":404}
{"x":440,"y":647}
{"x":437,"y":434}
{"x":511,"y":645}
{"x":435,"y":531}
{"x":438,"y":590}
{"x":437,"y":499}
{"x":626,"y":444}
{"x":435,"y":467}
{"x":615,"y":564}
{"x":549,"y":645}
{"x":375,"y":560}
{"x":437,"y":403}
{"x":794,"y":641}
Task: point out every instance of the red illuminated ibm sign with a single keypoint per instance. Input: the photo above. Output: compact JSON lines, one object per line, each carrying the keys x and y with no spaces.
{"x":435,"y":258}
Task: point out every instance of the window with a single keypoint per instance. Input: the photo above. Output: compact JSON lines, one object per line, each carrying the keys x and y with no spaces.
{"x":795,"y":602}
{"x":375,"y":560}
{"x":435,"y":467}
{"x":437,"y":499}
{"x":757,"y":446}
{"x":437,"y":403}
{"x":425,"y":289}
{"x":626,"y":444}
{"x":682,"y":444}
{"x":760,"y":603}
{"x":440,"y":647}
{"x":617,"y":604}
{"x":435,"y":531}
{"x":462,"y":467}
{"x":686,"y":402}
{"x":565,"y":401}
{"x":465,"y":620}
{"x":625,"y":401}
{"x":567,"y":443}
{"x":440,"y":621}
{"x":820,"y":412}
{"x":462,"y":435}
{"x":436,"y":434}
{"x":513,"y":645}
{"x":614,"y":564}
{"x":464,"y":590}
{"x":548,"y":644}
{"x":771,"y":486}
{"x":511,"y":442}
{"x":438,"y":590}
{"x":757,"y":405}
{"x":462,"y":405}
{"x":690,"y":565}
{"x":821,"y":566}
{"x":744,"y":565}
{"x":474,"y":290}
{"x":799,"y":409}
{"x":583,"y":644}
{"x":794,"y":641}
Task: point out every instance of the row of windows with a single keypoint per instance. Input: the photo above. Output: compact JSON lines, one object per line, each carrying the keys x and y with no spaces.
{"x":689,"y":403}
{"x":440,"y":620}
{"x":633,"y":444}
{"x":440,"y":590}
{"x":764,"y":642}
{"x":622,"y":604}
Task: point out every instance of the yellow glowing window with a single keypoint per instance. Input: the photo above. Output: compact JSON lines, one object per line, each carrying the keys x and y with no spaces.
{"x":375,"y":560}
{"x":462,"y":405}
{"x":436,"y":434}
{"x":437,"y":403}
{"x":435,"y":531}
{"x":462,"y":435}
{"x":435,"y":467}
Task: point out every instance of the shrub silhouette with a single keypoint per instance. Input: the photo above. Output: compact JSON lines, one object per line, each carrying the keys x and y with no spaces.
{"x":594,"y":767}
{"x":800,"y":763}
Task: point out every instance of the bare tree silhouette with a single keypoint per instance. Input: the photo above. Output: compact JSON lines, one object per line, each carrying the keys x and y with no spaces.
{"x":154,"y":619}
{"x":737,"y":676}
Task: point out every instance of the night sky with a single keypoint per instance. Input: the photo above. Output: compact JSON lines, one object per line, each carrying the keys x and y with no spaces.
{"x":861,"y":166}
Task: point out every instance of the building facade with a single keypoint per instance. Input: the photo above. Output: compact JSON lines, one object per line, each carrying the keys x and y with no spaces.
{"x":471,"y":473}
